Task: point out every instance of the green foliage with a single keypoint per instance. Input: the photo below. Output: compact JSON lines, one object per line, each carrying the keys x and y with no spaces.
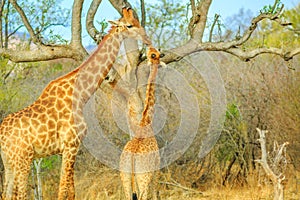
{"x":22,"y":83}
{"x":3,"y":70}
{"x":43,"y":15}
{"x":56,"y":38}
{"x":271,"y":9}
{"x":272,"y":34}
{"x":57,"y":67}
{"x":103,"y":26}
{"x":293,"y":16}
{"x":50,"y":162}
{"x":232,"y":111}
{"x":166,"y":23}
{"x":232,"y":144}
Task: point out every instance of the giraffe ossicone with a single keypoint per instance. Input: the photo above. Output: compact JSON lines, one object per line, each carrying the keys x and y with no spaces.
{"x":54,"y":123}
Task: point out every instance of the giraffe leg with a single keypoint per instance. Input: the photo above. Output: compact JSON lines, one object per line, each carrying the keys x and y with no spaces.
{"x":20,"y":181}
{"x":16,"y":173}
{"x":126,"y":181}
{"x":155,"y":185}
{"x":8,"y":179}
{"x":143,"y":181}
{"x":66,"y":186}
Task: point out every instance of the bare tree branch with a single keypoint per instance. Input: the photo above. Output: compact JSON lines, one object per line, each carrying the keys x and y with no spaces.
{"x":46,"y":52}
{"x":198,"y":20}
{"x":13,"y":32}
{"x":212,"y":27}
{"x":276,"y":178}
{"x":253,"y":26}
{"x":93,"y":32}
{"x":233,"y":47}
{"x":176,"y":184}
{"x":143,"y":12}
{"x":275,"y":5}
{"x":119,"y":4}
{"x":76,"y":41}
{"x":42,"y":53}
{"x":1,"y":28}
{"x":193,"y":7}
{"x":247,"y":55}
{"x":50,"y":25}
{"x":195,"y":44}
{"x":6,"y":25}
{"x":189,"y":48}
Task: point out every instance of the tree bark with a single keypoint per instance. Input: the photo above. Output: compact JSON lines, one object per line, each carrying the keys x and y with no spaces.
{"x":93,"y":32}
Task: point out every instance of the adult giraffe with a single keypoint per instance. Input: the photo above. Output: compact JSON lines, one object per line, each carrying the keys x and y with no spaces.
{"x":54,"y":123}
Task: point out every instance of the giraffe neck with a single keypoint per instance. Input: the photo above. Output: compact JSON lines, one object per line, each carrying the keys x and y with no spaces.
{"x":150,"y":98}
{"x":94,"y":70}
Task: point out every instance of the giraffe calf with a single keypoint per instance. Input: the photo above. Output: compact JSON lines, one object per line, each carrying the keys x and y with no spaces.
{"x":140,"y":160}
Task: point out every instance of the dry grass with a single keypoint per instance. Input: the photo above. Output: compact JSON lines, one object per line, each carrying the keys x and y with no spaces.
{"x":106,"y":185}
{"x":94,"y":181}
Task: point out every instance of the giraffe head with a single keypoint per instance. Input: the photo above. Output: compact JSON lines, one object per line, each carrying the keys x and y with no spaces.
{"x":154,"y":56}
{"x":130,"y":27}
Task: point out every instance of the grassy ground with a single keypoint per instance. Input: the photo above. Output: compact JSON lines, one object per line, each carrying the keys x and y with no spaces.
{"x":107,"y":186}
{"x":98,"y":182}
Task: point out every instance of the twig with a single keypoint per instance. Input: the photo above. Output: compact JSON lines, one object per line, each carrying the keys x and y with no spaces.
{"x":213,"y":26}
{"x":180,"y":186}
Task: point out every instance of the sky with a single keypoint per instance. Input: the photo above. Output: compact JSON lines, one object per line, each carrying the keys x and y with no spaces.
{"x":225,"y":8}
{"x":230,"y":7}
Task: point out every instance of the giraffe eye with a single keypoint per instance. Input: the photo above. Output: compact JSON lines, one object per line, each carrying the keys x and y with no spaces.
{"x":153,"y":55}
{"x":129,"y":26}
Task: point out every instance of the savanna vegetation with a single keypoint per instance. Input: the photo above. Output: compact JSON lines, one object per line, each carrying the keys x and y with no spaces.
{"x":256,"y":56}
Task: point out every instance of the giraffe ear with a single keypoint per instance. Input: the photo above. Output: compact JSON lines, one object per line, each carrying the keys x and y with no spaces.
{"x":162,"y":64}
{"x":114,"y":23}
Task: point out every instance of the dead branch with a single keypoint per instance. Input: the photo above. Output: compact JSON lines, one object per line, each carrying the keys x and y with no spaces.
{"x":275,"y":178}
{"x":176,"y":184}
